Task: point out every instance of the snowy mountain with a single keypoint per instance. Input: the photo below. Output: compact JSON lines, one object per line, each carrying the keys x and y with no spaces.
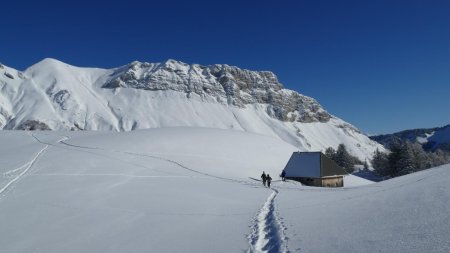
{"x":430,"y":138}
{"x":52,"y":95}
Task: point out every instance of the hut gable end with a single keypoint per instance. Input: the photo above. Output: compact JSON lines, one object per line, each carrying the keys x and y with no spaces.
{"x":330,"y":168}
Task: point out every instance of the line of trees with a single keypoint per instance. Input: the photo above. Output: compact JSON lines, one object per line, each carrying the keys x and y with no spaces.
{"x":405,"y":158}
{"x":343,"y":158}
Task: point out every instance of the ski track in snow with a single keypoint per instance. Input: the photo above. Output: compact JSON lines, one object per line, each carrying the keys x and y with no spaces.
{"x":11,"y":173}
{"x":108,"y":174}
{"x":80,"y":148}
{"x":155,"y":157}
{"x":91,"y":150}
{"x":26,"y":167}
{"x":268,"y":231}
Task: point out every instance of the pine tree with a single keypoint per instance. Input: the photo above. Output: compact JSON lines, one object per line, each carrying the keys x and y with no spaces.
{"x":330,"y":153}
{"x":394,"y":158}
{"x":344,"y":159}
{"x":405,"y":158}
{"x":406,"y":163}
{"x":380,"y":163}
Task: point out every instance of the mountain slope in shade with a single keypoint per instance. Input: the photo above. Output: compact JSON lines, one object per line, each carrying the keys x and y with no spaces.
{"x":52,"y":95}
{"x":431,"y":138}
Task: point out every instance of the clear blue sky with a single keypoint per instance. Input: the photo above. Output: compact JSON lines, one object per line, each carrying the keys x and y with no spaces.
{"x":383,"y":66}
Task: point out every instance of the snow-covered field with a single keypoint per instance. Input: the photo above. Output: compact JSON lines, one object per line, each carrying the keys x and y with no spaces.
{"x":191,"y":190}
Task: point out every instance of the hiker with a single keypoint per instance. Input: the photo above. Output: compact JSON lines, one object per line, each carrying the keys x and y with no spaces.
{"x":269,"y":179}
{"x":283,"y":175}
{"x":264,"y":178}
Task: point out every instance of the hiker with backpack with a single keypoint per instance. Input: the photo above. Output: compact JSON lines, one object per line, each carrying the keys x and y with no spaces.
{"x":283,"y":175}
{"x":269,"y":179}
{"x":264,"y":178}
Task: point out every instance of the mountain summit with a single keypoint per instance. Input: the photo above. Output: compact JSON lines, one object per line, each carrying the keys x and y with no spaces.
{"x":52,"y":95}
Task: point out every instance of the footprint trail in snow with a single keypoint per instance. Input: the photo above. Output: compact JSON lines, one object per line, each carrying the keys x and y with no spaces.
{"x":268,"y":230}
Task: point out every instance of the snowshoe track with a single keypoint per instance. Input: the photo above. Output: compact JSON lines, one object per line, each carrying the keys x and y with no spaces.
{"x":268,"y":230}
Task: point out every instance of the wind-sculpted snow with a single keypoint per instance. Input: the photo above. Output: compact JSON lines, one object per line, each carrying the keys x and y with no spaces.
{"x":52,"y":95}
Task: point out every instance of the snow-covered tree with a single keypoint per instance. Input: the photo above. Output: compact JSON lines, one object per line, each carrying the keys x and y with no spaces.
{"x":438,"y":158}
{"x":421,"y":158}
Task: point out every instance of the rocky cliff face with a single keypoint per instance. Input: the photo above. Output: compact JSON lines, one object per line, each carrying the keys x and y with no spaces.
{"x":226,"y":84}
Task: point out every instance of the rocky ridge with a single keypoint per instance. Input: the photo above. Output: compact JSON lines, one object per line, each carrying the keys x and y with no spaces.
{"x":226,"y":84}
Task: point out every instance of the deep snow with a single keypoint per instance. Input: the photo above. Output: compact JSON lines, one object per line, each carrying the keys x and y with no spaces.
{"x":188,"y":190}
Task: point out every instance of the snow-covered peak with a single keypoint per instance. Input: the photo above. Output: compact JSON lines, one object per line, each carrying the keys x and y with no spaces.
{"x":174,"y":64}
{"x":55,"y":95}
{"x":48,"y":63}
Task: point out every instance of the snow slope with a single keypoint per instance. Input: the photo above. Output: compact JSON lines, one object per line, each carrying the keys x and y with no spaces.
{"x":404,"y":214}
{"x":188,"y":190}
{"x":54,"y":95}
